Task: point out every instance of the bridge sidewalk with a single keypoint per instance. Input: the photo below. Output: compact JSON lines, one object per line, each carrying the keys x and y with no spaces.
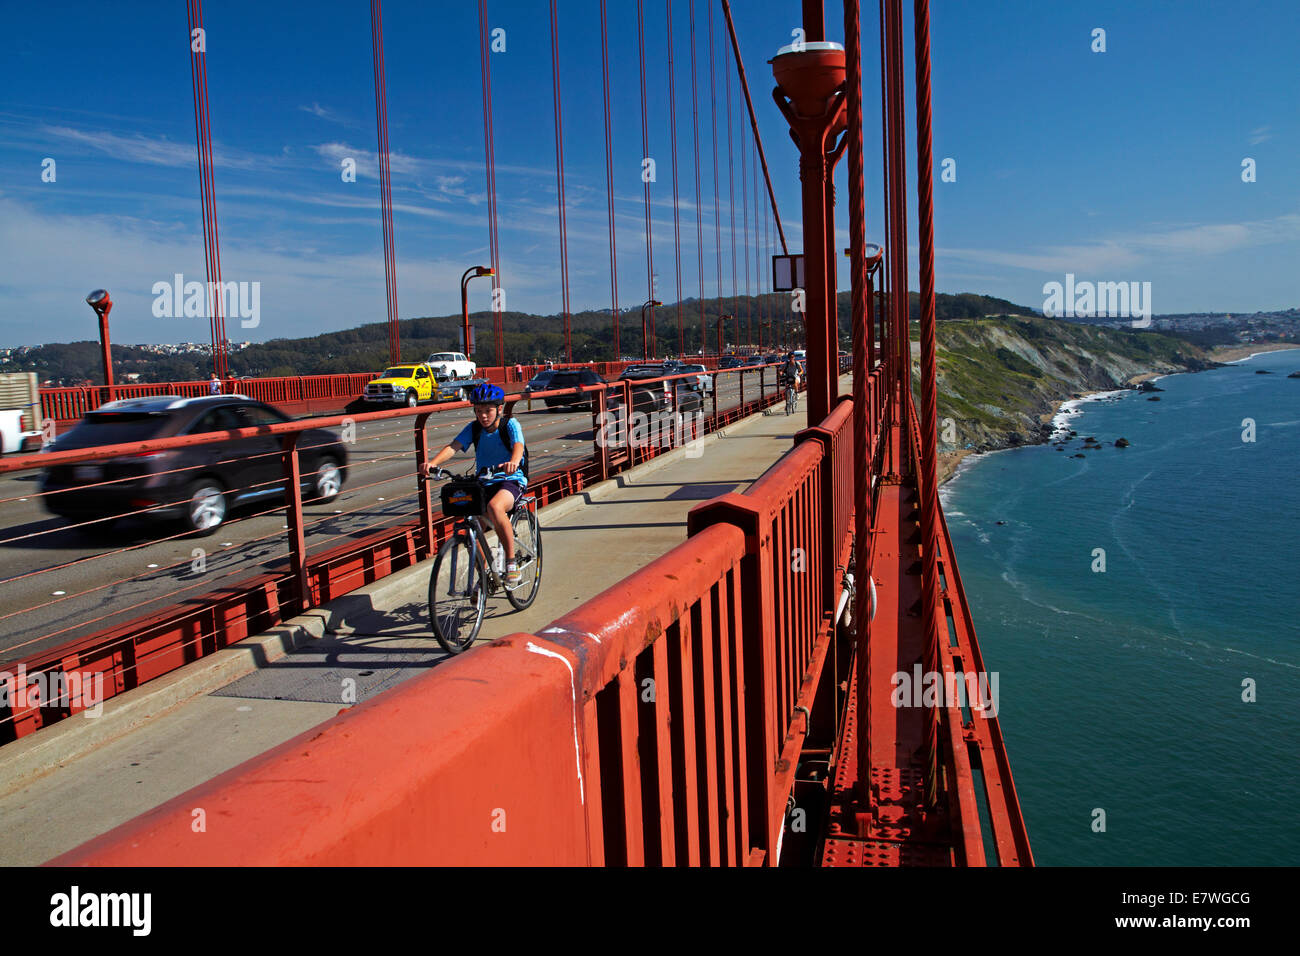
{"x":61,"y":787}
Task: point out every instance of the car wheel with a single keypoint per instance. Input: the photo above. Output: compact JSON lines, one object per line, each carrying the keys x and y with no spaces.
{"x":329,"y":480}
{"x":205,"y":506}
{"x":412,"y":399}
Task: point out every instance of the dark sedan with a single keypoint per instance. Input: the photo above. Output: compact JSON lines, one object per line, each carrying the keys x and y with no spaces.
{"x":198,"y":484}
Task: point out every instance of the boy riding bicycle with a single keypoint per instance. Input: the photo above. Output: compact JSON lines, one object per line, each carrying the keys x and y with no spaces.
{"x":494,"y":449}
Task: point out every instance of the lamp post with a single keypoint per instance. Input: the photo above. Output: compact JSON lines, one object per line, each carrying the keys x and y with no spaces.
{"x":810,"y":94}
{"x":722,"y":322}
{"x":473,"y":272}
{"x":99,"y":301}
{"x":645,"y":338}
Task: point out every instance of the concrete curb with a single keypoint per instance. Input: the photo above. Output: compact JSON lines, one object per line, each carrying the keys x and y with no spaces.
{"x":24,"y":760}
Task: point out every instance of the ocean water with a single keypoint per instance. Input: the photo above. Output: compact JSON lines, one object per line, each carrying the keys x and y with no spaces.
{"x":1122,"y":690}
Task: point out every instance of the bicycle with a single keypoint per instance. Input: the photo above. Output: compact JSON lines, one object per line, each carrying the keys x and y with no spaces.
{"x":791,"y":397}
{"x":464,"y":575}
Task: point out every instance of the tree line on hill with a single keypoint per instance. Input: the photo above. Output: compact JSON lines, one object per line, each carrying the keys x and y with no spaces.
{"x":527,"y":339}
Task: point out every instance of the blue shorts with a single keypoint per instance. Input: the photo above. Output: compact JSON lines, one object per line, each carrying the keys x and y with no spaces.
{"x":516,"y":491}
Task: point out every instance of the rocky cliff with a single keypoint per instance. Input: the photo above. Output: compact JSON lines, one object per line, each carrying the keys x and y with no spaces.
{"x":1000,"y":380}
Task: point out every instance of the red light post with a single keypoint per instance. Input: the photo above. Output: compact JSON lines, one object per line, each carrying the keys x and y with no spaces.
{"x":99,"y":301}
{"x":645,"y":337}
{"x":473,"y":272}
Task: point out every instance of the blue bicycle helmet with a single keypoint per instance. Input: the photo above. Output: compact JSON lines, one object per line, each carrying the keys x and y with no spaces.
{"x":487,"y":394}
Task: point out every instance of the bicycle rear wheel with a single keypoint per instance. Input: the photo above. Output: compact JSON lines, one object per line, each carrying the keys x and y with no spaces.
{"x":528,"y":558}
{"x":457,"y":595}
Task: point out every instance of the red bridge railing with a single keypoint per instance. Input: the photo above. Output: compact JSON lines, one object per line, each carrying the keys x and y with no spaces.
{"x":299,"y":394}
{"x":659,"y":723}
{"x":145,"y":624}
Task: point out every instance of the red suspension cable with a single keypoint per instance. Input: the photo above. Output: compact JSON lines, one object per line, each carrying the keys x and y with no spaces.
{"x":713,"y":122}
{"x":677,"y":229}
{"x":489,"y":154}
{"x":753,"y":120}
{"x":926,"y":467}
{"x":609,"y":179}
{"x":731,"y":207}
{"x":699,"y":227}
{"x":207,"y":191}
{"x":651,"y":337}
{"x":385,"y":181}
{"x":559,"y":184}
{"x":744,"y":245}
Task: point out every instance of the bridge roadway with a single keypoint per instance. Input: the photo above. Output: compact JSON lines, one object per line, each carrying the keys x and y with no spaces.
{"x":82,"y":777}
{"x":64,"y":582}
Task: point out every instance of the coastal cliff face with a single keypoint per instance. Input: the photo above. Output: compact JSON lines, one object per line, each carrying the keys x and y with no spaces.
{"x":1001,"y":380}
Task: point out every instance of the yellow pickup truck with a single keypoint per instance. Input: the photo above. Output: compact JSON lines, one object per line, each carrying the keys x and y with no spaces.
{"x":402,"y":385}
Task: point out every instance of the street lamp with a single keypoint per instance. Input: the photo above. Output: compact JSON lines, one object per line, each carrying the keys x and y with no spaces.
{"x":645,"y":338}
{"x":473,"y":272}
{"x":722,"y":320}
{"x":99,"y":301}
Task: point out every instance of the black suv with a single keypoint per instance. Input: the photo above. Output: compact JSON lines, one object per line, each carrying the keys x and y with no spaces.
{"x":199,"y":484}
{"x":656,"y":396}
{"x":575,"y":378}
{"x":541,"y":381}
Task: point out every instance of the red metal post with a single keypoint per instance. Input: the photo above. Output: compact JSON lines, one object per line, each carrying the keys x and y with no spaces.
{"x":426,"y":499}
{"x":292,"y":469}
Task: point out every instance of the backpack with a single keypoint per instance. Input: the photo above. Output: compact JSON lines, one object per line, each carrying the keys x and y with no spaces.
{"x":502,"y":427}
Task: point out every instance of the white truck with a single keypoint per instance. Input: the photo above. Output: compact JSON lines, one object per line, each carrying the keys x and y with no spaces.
{"x":20,"y":412}
{"x":451,"y":365}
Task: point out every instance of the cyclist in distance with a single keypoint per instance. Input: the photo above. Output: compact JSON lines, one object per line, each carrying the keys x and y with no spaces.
{"x":790,"y":371}
{"x":498,"y":443}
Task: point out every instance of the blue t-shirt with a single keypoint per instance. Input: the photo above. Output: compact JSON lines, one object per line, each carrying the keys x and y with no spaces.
{"x":491,"y":451}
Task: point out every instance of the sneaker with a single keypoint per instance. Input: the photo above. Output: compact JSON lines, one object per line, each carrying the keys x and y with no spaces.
{"x":513,"y":576}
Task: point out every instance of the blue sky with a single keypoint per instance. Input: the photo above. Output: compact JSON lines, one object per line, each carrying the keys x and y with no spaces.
{"x":1114,"y":166}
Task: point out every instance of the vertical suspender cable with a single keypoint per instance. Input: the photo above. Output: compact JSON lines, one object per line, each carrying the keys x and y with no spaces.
{"x":744,"y":219}
{"x":887,"y":226}
{"x":207,"y":191}
{"x":651,"y":337}
{"x":385,"y":182}
{"x":861,"y":338}
{"x":609,"y":179}
{"x":559,"y":184}
{"x":731,"y":206}
{"x":489,"y":154}
{"x":699,"y":227}
{"x":677,"y":229}
{"x":926,"y":467}
{"x":898,"y":206}
{"x":713,"y":122}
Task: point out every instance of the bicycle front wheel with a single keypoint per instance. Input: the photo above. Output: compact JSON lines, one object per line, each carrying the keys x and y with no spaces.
{"x":457,"y":595}
{"x":528,"y":558}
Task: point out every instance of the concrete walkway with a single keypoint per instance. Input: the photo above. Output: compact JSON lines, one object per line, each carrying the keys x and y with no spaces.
{"x":82,"y":777}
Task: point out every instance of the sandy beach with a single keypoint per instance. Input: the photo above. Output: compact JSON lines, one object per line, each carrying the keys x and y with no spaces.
{"x":1235,"y":353}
